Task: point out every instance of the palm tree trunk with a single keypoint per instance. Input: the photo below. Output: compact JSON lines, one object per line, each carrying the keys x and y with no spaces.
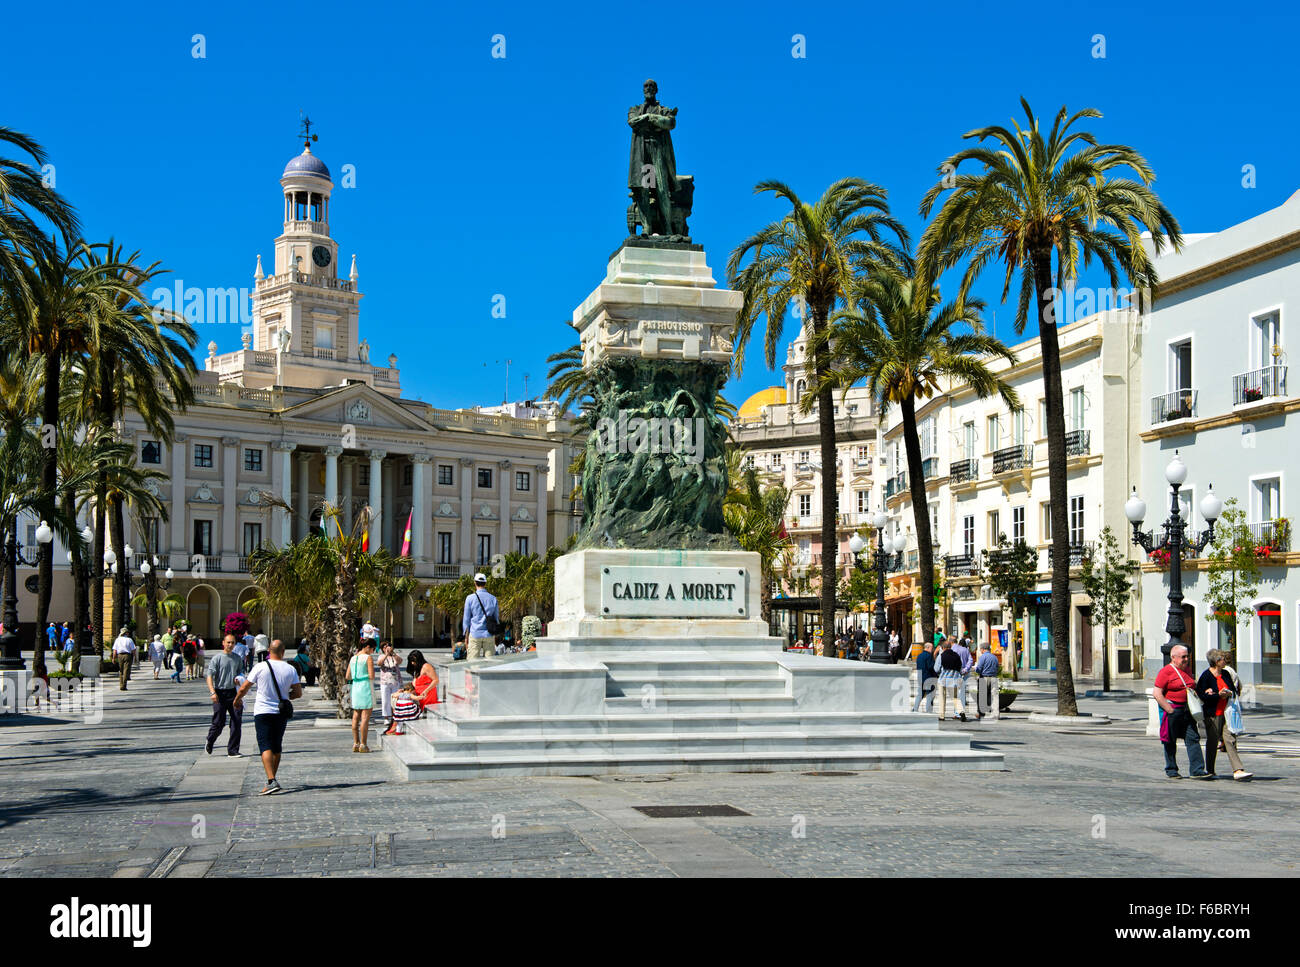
{"x":79,"y":589}
{"x":97,"y":562}
{"x":830,"y":483}
{"x":49,"y":494}
{"x":121,"y":606}
{"x":1056,"y":485}
{"x":920,"y":515}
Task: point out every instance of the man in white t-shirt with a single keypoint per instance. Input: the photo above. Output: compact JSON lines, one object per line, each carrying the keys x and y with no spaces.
{"x":276,"y":681}
{"x":124,"y":655}
{"x":261,"y":646}
{"x":369,"y":631}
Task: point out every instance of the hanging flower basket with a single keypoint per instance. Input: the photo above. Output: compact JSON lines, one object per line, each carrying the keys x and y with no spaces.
{"x":1159,"y":556}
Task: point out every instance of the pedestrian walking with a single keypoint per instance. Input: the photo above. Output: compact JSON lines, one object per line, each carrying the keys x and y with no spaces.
{"x":52,"y":636}
{"x":65,"y":634}
{"x":1170,"y":693}
{"x":157,"y":655}
{"x":967,"y":666}
{"x":123,"y":653}
{"x":261,"y":646}
{"x":277,"y":684}
{"x":361,"y":675}
{"x":249,"y":643}
{"x":949,"y":665}
{"x":390,"y":678}
{"x":480,"y":606}
{"x":189,"y":652}
{"x":1216,"y":689}
{"x":986,"y":696}
{"x":926,"y":678}
{"x":200,"y":658}
{"x":225,"y":674}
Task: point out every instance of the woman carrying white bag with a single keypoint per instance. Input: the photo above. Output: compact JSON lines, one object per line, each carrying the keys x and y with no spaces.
{"x":1219,"y":691}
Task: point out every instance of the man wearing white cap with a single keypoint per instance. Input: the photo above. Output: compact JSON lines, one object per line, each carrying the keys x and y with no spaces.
{"x":480,"y":621}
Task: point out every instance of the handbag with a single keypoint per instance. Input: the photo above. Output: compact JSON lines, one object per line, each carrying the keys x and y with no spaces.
{"x":1194,"y":707}
{"x":1164,"y":726}
{"x":286,"y":706}
{"x":492,"y":624}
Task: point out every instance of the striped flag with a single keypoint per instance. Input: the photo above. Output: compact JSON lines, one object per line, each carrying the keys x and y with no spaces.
{"x":406,"y":538}
{"x":365,"y":540}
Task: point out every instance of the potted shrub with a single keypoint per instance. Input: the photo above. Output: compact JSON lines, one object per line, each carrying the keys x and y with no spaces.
{"x":1252,"y":394}
{"x":1005,"y":697}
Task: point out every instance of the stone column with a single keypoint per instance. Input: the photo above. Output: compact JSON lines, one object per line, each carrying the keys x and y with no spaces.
{"x":178,"y":515}
{"x":421,"y":494}
{"x":386,"y":512}
{"x":304,"y":485}
{"x":503,"y":538}
{"x":466,"y":512}
{"x":539,"y":481}
{"x":229,"y":498}
{"x":349,"y":468}
{"x":282,"y":484}
{"x":376,"y":495}
{"x":332,"y":455}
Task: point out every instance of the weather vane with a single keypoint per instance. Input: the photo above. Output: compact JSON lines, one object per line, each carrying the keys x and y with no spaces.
{"x":305,"y":133}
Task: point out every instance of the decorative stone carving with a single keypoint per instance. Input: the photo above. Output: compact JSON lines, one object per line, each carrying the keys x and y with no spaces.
{"x":254,"y":496}
{"x":466,"y":462}
{"x":153,"y":487}
{"x":485,"y":513}
{"x":363,"y":351}
{"x":358,"y":410}
{"x":204,"y":494}
{"x":247,"y":339}
{"x":445,"y":509}
{"x":421,"y":458}
{"x":230,"y":441}
{"x":522,"y":514}
{"x":505,"y":464}
{"x":284,"y":446}
{"x":333,"y":451}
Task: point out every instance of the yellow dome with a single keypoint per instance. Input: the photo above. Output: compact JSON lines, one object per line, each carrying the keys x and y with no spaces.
{"x":751,"y":409}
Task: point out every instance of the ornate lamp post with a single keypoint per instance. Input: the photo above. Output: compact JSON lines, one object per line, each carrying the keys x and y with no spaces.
{"x":12,"y":659}
{"x":1175,"y":539}
{"x":888,"y":557}
{"x":134,"y":584}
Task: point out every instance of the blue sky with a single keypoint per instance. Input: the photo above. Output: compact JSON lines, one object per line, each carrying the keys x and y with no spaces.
{"x":458,"y":154}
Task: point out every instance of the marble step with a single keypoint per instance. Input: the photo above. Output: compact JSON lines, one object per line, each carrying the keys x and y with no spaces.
{"x":734,"y":760}
{"x":700,"y":702}
{"x":661,"y":720}
{"x":546,"y":746}
{"x":682,"y":686}
{"x":668,"y":666}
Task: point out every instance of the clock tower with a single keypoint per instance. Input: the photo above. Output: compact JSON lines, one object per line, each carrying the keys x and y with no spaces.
{"x":303,"y":310}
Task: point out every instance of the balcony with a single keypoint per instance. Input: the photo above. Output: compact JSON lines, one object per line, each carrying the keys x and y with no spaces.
{"x":929,"y":468}
{"x":1258,"y":385}
{"x":1078,"y":551}
{"x":963,"y":471}
{"x":1178,"y":405}
{"x":1077,"y":443}
{"x":1013,"y":458}
{"x":323,"y":353}
{"x":961,"y":565}
{"x":1272,"y":534}
{"x":212,"y":563}
{"x":446,"y":572}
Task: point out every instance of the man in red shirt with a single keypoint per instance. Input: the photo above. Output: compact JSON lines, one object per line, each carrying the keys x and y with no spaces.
{"x":1170,"y":693}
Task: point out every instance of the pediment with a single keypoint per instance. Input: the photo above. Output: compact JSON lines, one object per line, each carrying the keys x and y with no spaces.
{"x":360,"y":406}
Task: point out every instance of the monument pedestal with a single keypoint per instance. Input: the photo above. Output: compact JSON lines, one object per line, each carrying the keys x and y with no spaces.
{"x":635,"y":679}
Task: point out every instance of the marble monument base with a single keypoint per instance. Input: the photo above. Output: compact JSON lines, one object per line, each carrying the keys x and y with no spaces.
{"x":633,"y":680}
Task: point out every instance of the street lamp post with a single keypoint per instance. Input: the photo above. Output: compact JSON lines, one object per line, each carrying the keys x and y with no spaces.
{"x":1175,"y":540}
{"x":884,"y":559}
{"x":11,"y":658}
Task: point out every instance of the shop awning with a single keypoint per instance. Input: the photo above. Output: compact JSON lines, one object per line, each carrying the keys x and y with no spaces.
{"x":980,"y":604}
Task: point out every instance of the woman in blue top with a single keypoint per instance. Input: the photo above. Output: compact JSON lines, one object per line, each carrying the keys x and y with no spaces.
{"x":361,"y":675}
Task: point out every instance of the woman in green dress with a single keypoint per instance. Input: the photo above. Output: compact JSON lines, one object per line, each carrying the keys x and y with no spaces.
{"x":361,"y":676}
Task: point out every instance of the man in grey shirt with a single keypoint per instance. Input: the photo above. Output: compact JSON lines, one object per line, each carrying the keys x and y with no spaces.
{"x":225,"y":673}
{"x":987,"y":667}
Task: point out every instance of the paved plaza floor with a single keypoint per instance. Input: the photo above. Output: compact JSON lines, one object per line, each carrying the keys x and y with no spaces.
{"x":134,"y":795}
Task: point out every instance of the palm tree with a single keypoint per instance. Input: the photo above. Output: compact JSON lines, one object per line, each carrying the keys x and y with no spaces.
{"x":756,"y":518}
{"x":26,"y":202}
{"x":813,"y":256}
{"x":1038,"y":196}
{"x":904,"y":343}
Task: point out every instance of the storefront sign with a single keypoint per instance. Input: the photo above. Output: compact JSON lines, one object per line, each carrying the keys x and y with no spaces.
{"x":673,"y":592}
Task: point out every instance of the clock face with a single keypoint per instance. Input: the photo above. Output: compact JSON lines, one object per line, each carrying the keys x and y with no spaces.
{"x":321,"y":256}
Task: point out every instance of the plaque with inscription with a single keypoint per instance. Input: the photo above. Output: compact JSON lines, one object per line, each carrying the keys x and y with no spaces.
{"x":635,"y":591}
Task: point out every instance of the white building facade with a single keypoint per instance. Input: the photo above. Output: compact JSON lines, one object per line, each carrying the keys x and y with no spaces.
{"x":1215,"y":376}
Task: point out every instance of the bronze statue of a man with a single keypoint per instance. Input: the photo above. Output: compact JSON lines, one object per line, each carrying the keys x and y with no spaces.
{"x":657,"y":192}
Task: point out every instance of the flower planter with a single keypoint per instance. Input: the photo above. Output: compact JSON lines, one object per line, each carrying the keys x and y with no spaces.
{"x":1005,"y":698}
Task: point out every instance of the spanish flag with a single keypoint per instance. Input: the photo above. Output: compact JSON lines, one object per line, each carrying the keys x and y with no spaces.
{"x":365,"y":540}
{"x":406,"y":538}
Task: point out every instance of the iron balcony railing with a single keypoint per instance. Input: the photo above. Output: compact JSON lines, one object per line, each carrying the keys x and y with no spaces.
{"x":1273,"y":534}
{"x":1013,"y":458}
{"x":1078,"y":551}
{"x":446,"y":572}
{"x":961,"y":471}
{"x":1259,"y":384}
{"x":961,"y":565}
{"x":1077,"y":443}
{"x":1178,"y":405}
{"x":896,"y":485}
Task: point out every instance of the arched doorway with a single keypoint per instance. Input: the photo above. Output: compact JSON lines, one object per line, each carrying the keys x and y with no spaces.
{"x":203,"y":609}
{"x":1268,"y":626}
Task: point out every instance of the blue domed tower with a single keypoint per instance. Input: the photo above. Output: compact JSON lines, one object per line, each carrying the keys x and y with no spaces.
{"x":302,"y":308}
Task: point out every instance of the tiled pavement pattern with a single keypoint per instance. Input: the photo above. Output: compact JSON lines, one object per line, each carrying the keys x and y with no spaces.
{"x":135,"y":796}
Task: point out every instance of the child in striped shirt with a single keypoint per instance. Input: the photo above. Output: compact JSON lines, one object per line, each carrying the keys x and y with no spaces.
{"x":406,"y":708}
